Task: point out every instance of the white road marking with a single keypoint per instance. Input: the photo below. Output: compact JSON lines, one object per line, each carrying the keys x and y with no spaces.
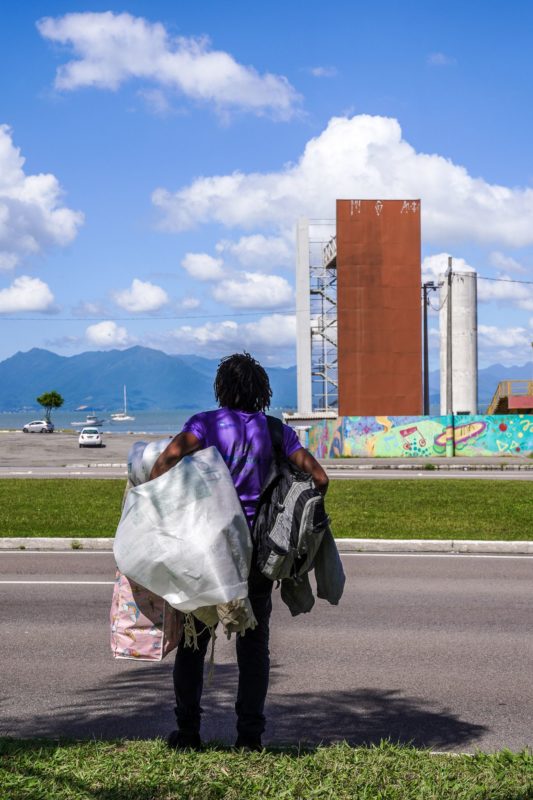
{"x":55,"y":552}
{"x":61,"y":583}
{"x":341,"y":553}
{"x":437,"y":555}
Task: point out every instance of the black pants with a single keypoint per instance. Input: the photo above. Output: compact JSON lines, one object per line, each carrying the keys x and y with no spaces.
{"x":253,"y":660}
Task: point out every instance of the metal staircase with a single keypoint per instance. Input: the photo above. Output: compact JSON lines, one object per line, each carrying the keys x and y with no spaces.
{"x":512,"y":397}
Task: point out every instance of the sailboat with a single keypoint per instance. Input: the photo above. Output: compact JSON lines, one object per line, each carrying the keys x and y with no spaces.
{"x":122,"y":416}
{"x":91,"y":419}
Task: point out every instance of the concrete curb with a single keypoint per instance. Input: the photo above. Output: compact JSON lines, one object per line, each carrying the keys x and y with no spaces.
{"x":37,"y":544}
{"x":59,"y":544}
{"x":433,"y":546}
{"x":332,"y":469}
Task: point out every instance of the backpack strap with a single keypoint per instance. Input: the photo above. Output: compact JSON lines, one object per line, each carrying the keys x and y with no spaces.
{"x":275,"y":429}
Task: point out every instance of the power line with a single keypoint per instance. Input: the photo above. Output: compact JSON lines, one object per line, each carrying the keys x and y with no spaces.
{"x":52,"y":318}
{"x":503,"y":280}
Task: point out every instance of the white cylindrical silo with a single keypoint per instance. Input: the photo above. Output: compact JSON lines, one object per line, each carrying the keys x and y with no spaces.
{"x":463,"y":342}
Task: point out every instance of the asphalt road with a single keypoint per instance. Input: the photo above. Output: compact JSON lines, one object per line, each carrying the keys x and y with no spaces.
{"x":59,"y":456}
{"x":431,"y":649}
{"x":59,"y":450}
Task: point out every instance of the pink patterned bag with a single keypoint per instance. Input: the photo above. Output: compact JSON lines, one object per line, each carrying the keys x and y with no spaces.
{"x":143,"y":626}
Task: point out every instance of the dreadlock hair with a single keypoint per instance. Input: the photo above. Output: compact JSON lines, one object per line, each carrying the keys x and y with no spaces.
{"x":242,"y":383}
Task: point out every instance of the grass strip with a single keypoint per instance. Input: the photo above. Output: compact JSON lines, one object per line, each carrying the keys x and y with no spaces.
{"x":498,"y":510}
{"x":146,"y":770}
{"x":388,"y":509}
{"x":60,"y":507}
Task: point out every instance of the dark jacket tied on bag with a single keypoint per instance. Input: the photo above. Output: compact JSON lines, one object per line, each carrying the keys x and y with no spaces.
{"x":291,"y":533}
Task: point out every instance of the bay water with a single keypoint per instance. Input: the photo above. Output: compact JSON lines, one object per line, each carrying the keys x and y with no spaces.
{"x":153,"y":422}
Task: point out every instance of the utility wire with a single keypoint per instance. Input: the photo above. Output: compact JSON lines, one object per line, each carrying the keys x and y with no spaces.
{"x":503,"y":280}
{"x":53,"y":318}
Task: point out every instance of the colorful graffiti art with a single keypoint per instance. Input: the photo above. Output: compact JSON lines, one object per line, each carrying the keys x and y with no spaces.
{"x":393,"y":437}
{"x":508,"y":435}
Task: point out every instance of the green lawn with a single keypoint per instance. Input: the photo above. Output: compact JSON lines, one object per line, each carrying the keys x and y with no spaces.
{"x":146,"y":770}
{"x":60,"y":507}
{"x":391,"y":509}
{"x":432,"y":509}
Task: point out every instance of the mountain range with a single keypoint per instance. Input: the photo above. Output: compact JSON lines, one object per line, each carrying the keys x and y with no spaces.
{"x":156,"y":380}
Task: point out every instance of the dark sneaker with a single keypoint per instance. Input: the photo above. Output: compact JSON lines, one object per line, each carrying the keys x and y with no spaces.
{"x":180,"y":740}
{"x":250,"y":744}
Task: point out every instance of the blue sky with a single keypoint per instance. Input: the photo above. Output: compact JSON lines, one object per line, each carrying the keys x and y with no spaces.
{"x":154,"y":158}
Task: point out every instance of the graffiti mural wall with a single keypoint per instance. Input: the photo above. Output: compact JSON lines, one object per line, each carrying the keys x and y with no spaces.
{"x":393,"y":437}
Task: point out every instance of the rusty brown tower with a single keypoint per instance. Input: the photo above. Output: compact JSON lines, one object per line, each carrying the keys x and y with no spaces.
{"x":378,"y":307}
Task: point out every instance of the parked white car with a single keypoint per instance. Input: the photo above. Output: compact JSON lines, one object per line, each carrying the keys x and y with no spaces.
{"x":38,"y":426}
{"x":90,"y":437}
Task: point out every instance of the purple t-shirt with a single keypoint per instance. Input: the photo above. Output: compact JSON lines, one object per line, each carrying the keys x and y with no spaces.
{"x":243,"y":440}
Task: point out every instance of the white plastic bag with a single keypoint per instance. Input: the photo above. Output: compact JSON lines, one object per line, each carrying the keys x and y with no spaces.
{"x":135,"y":471}
{"x":184,"y":535}
{"x":142,"y":457}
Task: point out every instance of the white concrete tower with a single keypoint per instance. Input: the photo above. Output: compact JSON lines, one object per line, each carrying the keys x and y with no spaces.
{"x":463,"y":342}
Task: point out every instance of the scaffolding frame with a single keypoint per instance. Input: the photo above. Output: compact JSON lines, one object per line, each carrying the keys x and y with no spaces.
{"x":323,"y":314}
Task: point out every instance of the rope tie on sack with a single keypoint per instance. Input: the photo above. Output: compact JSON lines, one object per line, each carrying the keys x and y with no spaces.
{"x":236,"y":616}
{"x":191,"y":635}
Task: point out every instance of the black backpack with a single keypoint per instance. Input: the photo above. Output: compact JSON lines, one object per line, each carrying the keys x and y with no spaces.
{"x":290,"y":519}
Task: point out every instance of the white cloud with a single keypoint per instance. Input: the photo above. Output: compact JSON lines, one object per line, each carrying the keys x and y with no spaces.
{"x":89,"y":309}
{"x":110,"y":49}
{"x":107,"y":334}
{"x":274,"y":332}
{"x":504,"y":345}
{"x":203,"y":267}
{"x":436,"y":265}
{"x":323,"y":72}
{"x":32,"y":218}
{"x":189,"y":303}
{"x":505,"y":290}
{"x":490,"y":335}
{"x":259,"y":251}
{"x":63,"y":342}
{"x":141,"y":296}
{"x":501,"y":261}
{"x":254,"y":290}
{"x":364,"y":156}
{"x":8,"y":260}
{"x":440,"y":60}
{"x":156,"y":102}
{"x":226,"y":332}
{"x":26,"y":294}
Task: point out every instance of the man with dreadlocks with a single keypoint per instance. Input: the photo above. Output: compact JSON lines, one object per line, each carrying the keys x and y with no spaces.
{"x":239,"y":430}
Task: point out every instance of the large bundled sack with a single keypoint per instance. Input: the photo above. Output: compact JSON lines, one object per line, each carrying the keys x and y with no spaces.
{"x":184,"y":535}
{"x":143,"y":626}
{"x":142,"y":457}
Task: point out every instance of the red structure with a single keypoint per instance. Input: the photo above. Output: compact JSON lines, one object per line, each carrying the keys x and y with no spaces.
{"x":379,"y":307}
